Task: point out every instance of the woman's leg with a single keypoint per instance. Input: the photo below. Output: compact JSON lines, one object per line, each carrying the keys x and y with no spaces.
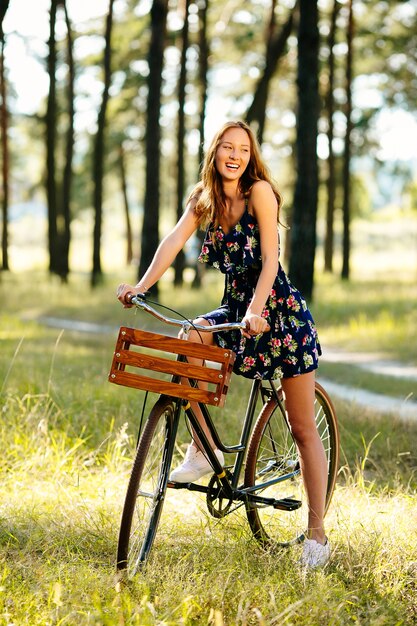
{"x":299,"y":401}
{"x":207,"y":339}
{"x":195,"y":464}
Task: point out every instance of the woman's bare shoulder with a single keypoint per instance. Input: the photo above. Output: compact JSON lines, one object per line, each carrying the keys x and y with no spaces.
{"x":261,"y":187}
{"x":262,"y":195}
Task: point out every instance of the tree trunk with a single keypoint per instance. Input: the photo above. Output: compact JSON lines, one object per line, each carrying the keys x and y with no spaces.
{"x":51,"y":124}
{"x":347,"y":151}
{"x":65,"y":237}
{"x":203,"y":55}
{"x":123,"y":179}
{"x":274,"y":50}
{"x":150,"y":228}
{"x":98,"y":158}
{"x":331,"y":174}
{"x":180,"y":259}
{"x":4,"y":147}
{"x":203,"y":67}
{"x":303,"y":231}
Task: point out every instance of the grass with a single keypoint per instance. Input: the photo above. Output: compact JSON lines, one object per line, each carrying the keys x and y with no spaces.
{"x":68,"y":439}
{"x":368,"y":316}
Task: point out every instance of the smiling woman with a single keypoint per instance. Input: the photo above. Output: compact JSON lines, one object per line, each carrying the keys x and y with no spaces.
{"x":233,"y":154}
{"x":239,"y":204}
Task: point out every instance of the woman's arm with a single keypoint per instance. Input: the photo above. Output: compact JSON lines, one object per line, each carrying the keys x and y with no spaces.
{"x":164,"y":255}
{"x":263,"y":205}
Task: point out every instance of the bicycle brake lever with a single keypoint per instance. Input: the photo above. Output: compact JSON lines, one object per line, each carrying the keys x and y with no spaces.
{"x":130,"y":297}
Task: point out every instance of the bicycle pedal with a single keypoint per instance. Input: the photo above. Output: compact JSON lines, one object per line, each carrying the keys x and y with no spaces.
{"x":173,"y":485}
{"x":287,"y":504}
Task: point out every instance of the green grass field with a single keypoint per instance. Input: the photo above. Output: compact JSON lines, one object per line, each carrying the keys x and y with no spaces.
{"x":68,"y":438}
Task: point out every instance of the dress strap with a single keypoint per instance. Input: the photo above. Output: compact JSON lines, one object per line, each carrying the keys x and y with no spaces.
{"x":246,"y":206}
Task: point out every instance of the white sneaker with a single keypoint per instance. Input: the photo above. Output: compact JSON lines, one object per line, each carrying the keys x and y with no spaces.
{"x":194,"y":466}
{"x":315,"y":554}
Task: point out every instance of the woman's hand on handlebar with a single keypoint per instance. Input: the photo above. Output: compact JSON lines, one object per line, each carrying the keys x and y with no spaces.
{"x":125,"y":293}
{"x":255,"y":325}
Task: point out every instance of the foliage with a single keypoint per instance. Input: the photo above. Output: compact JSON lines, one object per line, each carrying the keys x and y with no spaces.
{"x":384,"y":62}
{"x":386,"y":28}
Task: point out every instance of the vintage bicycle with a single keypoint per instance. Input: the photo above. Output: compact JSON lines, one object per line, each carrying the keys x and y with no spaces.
{"x":265,"y":475}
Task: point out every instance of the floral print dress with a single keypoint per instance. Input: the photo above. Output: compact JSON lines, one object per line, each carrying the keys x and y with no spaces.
{"x":290,"y":347}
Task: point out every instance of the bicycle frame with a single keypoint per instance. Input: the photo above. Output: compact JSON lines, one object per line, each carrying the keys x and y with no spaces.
{"x":230,"y":486}
{"x":265,"y":456}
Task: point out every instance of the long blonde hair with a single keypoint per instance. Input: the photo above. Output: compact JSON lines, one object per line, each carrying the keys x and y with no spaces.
{"x":210,"y":198}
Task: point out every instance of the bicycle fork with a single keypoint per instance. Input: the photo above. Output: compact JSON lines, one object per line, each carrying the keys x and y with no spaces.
{"x":170,"y":452}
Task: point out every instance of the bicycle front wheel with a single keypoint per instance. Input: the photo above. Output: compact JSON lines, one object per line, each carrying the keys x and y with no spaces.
{"x":273,"y":460}
{"x":146,"y":489}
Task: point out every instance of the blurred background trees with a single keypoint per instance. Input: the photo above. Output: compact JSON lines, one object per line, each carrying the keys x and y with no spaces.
{"x":130,"y":93}
{"x":4,"y":143}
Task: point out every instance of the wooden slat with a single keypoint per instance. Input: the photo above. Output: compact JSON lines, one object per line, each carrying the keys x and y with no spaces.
{"x":176,"y":346}
{"x":168,"y":366}
{"x":161,"y":386}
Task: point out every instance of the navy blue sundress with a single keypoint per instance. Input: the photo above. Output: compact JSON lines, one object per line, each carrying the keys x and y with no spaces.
{"x":291,"y":346}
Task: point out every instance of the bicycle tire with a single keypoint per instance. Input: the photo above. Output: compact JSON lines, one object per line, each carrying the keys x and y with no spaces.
{"x":146,"y":489}
{"x":272,"y":453}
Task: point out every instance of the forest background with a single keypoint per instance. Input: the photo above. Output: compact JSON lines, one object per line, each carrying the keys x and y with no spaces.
{"x":106,"y":111}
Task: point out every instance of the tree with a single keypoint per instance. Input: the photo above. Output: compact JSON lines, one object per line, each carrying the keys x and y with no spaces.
{"x":331,"y":174}
{"x":203,"y":67}
{"x":123,"y":180}
{"x":98,"y":155}
{"x":275,"y":48}
{"x":65,"y":235}
{"x":150,"y":228}
{"x":303,"y":231}
{"x":387,"y":39}
{"x":51,"y":136}
{"x":347,"y":150}
{"x":125,"y":114}
{"x":180,"y":258}
{"x":4,"y":114}
{"x":58,"y":190}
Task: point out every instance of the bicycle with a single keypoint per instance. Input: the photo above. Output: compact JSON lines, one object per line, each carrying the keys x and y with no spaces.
{"x":271,"y":488}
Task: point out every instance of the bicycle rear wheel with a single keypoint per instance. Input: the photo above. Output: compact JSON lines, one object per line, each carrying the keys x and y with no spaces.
{"x":272,"y":455}
{"x":146,"y":489}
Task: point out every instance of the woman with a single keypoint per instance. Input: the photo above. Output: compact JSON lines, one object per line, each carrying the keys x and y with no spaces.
{"x":239,"y":203}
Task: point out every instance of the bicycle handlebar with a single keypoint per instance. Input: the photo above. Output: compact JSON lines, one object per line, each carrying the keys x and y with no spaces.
{"x":139,"y":300}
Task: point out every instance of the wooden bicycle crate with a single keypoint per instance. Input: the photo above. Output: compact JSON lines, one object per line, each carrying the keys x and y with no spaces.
{"x":130,"y":358}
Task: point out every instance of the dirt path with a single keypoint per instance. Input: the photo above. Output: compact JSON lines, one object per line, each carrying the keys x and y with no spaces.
{"x":404,"y":409}
{"x":373,"y":363}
